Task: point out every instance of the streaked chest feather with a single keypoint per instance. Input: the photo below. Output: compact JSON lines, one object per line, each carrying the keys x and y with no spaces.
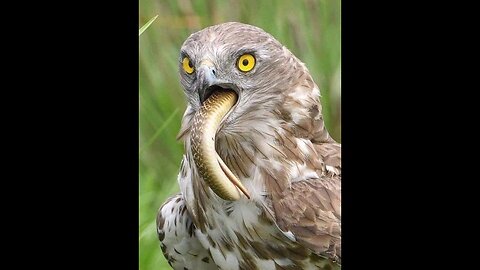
{"x":243,"y":234}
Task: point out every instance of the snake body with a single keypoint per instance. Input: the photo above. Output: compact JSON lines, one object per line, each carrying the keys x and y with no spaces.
{"x":210,"y":166}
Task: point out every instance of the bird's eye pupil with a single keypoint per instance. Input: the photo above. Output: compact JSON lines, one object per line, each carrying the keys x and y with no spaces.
{"x":190,"y":64}
{"x":245,"y":62}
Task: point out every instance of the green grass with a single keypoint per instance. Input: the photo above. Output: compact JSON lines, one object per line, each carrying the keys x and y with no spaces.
{"x":143,"y":28}
{"x":310,"y":29}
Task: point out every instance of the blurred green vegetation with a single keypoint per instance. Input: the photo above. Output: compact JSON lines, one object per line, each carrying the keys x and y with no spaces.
{"x":309,"y":28}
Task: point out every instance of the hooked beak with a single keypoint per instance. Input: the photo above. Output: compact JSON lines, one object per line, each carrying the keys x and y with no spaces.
{"x":209,"y":81}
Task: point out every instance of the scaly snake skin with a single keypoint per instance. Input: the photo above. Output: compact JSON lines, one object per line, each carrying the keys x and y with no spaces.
{"x":210,"y":166}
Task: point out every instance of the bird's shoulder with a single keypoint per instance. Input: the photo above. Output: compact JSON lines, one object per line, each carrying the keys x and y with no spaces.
{"x":310,"y":210}
{"x":306,"y":191}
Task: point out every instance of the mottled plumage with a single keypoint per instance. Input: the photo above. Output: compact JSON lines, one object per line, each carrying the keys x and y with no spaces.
{"x":274,"y":140}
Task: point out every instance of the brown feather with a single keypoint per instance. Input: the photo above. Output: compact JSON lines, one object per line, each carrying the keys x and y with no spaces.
{"x":275,"y":141}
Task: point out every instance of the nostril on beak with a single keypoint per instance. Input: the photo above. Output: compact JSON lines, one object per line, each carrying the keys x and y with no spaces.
{"x":213,"y":71}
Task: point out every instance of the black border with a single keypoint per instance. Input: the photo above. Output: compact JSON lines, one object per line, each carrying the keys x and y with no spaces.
{"x":78,"y":193}
{"x":399,"y":172}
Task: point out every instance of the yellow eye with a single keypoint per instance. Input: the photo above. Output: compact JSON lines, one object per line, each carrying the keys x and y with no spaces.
{"x":246,"y":62}
{"x":187,"y":65}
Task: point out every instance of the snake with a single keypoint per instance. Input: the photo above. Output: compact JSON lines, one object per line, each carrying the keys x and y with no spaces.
{"x":216,"y":174}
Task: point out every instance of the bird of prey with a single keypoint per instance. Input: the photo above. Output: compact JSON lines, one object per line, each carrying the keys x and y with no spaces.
{"x":260,"y":176}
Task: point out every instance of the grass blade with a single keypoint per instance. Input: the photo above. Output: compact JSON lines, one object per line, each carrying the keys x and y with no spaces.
{"x":143,"y":28}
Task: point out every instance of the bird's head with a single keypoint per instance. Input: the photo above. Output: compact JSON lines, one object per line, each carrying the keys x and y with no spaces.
{"x":240,"y":57}
{"x":232,"y":74}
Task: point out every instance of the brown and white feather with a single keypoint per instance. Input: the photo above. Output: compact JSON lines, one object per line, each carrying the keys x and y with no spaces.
{"x":275,"y":141}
